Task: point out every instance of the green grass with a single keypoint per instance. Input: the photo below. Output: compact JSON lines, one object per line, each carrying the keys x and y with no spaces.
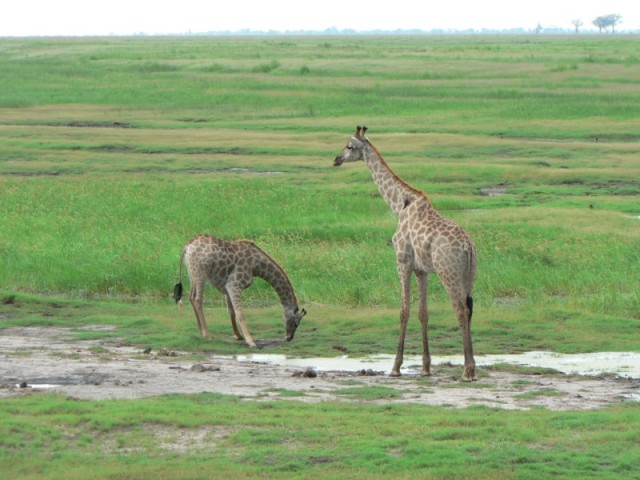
{"x":211,"y":436}
{"x":116,"y":151}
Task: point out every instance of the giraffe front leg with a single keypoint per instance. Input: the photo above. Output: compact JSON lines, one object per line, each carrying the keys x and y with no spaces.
{"x":405,"y":279}
{"x":234,"y":297}
{"x":232,"y":315}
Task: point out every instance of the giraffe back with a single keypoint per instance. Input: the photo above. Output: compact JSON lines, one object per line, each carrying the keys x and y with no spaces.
{"x":436,"y":244}
{"x":215,"y":259}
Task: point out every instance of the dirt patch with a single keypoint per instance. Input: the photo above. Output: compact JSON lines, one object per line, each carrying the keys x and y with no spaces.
{"x":39,"y":359}
{"x":92,"y":124}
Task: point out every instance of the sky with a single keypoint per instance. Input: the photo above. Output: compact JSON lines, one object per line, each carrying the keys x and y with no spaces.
{"x":127,"y":17}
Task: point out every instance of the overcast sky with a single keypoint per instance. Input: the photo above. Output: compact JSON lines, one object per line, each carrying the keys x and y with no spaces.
{"x":124,"y":17}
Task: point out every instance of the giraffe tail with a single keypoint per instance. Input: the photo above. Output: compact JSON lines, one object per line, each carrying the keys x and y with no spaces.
{"x":472,"y":272}
{"x":177,"y":289}
{"x":177,"y":292}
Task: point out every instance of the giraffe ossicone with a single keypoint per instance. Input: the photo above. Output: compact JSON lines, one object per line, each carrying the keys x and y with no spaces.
{"x":425,"y":242}
{"x":230,"y":267}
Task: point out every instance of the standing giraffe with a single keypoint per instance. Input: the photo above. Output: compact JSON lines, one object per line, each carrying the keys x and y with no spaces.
{"x":424,"y":242}
{"x":230,"y":267}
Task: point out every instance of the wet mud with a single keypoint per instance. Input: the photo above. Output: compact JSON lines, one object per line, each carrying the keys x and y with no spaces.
{"x":44,"y":359}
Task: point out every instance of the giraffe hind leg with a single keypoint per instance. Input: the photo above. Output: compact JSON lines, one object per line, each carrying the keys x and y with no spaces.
{"x":196,"y":298}
{"x":423,"y":315}
{"x":464,"y":310}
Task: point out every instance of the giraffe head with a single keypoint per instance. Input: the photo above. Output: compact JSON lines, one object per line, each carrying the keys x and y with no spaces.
{"x":353,"y":151}
{"x":292,"y":319}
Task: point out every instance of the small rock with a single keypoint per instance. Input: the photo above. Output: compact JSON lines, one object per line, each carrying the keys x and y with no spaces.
{"x":24,"y":385}
{"x":168,"y":353}
{"x":308,"y":373}
{"x":204,"y":368}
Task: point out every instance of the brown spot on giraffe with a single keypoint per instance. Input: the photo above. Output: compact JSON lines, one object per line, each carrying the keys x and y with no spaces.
{"x":230,"y":266}
{"x":425,"y":242}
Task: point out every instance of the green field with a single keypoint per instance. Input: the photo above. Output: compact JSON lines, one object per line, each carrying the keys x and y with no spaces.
{"x":114,"y":152}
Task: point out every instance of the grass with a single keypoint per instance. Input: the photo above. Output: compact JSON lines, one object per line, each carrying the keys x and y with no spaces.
{"x":115,"y":152}
{"x":212,"y":435}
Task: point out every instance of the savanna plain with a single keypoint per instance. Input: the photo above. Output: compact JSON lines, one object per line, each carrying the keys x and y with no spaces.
{"x":114,"y":152}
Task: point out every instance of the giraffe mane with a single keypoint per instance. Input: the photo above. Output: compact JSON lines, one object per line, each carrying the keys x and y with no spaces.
{"x":278,"y":267}
{"x":395,"y":176}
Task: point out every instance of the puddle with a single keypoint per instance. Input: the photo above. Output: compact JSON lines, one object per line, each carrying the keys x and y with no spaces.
{"x":49,"y":383}
{"x":38,"y":386}
{"x":494,"y":191}
{"x":624,"y":364}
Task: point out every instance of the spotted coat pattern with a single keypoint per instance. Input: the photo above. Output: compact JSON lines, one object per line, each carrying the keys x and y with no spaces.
{"x":425,"y":242}
{"x":230,"y":266}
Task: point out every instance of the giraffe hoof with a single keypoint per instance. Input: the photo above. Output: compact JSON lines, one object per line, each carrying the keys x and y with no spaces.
{"x":395,"y":373}
{"x":469,"y":373}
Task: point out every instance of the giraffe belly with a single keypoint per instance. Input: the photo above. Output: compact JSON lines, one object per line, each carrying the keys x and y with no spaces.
{"x":422,"y":262}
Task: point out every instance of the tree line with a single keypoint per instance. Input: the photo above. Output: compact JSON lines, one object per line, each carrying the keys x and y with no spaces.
{"x":602,"y":23}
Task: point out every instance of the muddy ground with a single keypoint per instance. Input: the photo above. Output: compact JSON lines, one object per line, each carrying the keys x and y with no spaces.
{"x":44,"y":359}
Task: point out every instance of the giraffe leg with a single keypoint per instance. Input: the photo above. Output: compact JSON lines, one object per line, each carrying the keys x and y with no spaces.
{"x":405,"y":279}
{"x":423,"y":315}
{"x":232,"y":315}
{"x":234,"y":297}
{"x":196,"y":297}
{"x":463,"y":312}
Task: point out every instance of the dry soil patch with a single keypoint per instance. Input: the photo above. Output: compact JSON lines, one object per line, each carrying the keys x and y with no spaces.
{"x":42,"y":359}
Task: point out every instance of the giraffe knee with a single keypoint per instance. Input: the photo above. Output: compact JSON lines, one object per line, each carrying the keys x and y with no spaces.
{"x":195,"y":297}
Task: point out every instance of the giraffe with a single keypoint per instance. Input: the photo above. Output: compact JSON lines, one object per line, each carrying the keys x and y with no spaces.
{"x":425,"y":242}
{"x":230,"y":267}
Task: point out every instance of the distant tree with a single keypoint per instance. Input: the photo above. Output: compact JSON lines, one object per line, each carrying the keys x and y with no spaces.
{"x":605,"y":21}
{"x":539,"y":28}
{"x":613,"y":20}
{"x":600,"y":23}
{"x":577,"y":24}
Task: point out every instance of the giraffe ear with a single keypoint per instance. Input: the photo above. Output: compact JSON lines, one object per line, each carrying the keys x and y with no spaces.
{"x":364,"y":130}
{"x":302,"y":313}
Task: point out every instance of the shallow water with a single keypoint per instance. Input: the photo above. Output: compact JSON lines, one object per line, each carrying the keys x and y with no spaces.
{"x":39,"y":386}
{"x":624,"y":364}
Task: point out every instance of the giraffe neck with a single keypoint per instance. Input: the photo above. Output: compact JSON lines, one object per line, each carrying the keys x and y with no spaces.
{"x":267,"y":269}
{"x":397,"y":193}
